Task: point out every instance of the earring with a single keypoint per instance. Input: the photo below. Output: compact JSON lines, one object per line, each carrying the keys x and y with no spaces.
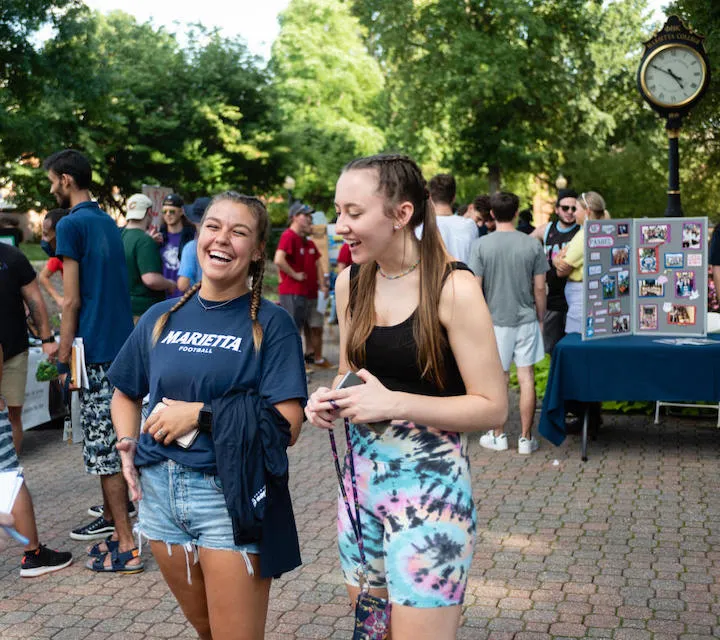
{"x":397,"y":226}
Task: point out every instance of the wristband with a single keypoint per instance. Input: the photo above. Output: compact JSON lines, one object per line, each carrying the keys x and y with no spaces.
{"x":130,"y":438}
{"x":48,"y":340}
{"x":63,"y":367}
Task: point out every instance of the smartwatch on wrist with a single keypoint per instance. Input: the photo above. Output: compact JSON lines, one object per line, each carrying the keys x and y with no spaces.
{"x":205,"y":419}
{"x":48,"y":340}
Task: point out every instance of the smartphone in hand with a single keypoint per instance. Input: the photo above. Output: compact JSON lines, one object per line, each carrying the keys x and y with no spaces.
{"x":183,"y":441}
{"x":352,"y":379}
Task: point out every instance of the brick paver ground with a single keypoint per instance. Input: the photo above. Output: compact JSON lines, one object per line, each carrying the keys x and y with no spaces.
{"x":624,"y":546}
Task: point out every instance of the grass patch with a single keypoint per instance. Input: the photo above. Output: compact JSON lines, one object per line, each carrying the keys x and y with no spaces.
{"x":270,"y":283}
{"x":33,"y":251}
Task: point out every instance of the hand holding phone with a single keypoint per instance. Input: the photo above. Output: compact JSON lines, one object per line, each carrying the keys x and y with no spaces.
{"x":352,"y":379}
{"x":183,"y":441}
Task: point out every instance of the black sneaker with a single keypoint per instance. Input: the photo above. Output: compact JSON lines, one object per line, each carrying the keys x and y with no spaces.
{"x":98,"y":511}
{"x":42,"y":561}
{"x":98,"y":529}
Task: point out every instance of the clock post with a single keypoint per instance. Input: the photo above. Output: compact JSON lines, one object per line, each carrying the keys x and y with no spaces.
{"x":673,"y":75}
{"x":674,"y":208}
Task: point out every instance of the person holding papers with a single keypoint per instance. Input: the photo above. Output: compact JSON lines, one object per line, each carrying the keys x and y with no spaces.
{"x":37,"y":559}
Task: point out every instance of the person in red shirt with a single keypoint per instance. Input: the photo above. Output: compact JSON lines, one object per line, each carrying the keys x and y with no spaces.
{"x":344,"y":259}
{"x":48,"y":244}
{"x":290,"y":261}
{"x":315,"y":281}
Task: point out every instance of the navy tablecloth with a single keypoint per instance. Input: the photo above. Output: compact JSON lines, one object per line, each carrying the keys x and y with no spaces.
{"x":626,"y":368}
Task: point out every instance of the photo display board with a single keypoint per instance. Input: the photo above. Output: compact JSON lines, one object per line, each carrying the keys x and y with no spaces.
{"x":645,"y":277}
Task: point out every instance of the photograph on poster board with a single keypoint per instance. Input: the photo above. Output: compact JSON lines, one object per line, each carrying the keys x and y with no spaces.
{"x":621,"y":256}
{"x":674,"y":260}
{"x":684,"y":284}
{"x":609,"y":287}
{"x":648,"y":317}
{"x":654,"y":233}
{"x":621,"y":324}
{"x":589,"y":327}
{"x":694,"y":259}
{"x":691,"y":235}
{"x":623,"y":230}
{"x":647,"y":260}
{"x":614,"y":307}
{"x":681,"y":314}
{"x":623,"y":283}
{"x":650,"y":288}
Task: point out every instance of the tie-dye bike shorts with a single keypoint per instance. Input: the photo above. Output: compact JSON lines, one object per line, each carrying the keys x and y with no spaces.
{"x":417,"y":514}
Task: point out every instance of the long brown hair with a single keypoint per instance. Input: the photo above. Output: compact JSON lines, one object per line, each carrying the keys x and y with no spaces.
{"x":400,"y":180}
{"x":255,"y":271}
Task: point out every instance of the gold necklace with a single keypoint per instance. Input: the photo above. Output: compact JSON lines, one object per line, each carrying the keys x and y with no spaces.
{"x":402,"y":274}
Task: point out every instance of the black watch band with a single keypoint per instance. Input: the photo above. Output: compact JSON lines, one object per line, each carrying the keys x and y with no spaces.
{"x":48,"y":340}
{"x":205,"y":419}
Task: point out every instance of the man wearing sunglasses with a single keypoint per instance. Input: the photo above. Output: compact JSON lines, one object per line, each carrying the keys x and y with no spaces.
{"x":554,"y":236}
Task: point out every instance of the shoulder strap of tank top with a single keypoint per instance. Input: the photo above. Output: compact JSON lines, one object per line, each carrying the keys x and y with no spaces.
{"x":455,"y":266}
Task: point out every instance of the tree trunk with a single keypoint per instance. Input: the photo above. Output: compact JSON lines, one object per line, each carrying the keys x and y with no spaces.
{"x":494,"y":178}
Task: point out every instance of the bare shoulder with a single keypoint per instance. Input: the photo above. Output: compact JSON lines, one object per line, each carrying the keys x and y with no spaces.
{"x":461,"y":290}
{"x":539,"y":232}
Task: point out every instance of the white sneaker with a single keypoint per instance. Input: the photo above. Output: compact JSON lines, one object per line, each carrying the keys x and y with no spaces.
{"x":527,"y":445}
{"x":491,"y":441}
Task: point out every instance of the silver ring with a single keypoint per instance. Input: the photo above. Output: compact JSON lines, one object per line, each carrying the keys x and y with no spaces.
{"x":160,"y":432}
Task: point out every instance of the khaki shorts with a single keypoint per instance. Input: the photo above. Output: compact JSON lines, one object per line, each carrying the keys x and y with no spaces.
{"x":14,"y":377}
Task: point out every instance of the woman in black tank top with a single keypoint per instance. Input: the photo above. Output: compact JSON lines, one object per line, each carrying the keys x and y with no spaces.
{"x":416,"y":329}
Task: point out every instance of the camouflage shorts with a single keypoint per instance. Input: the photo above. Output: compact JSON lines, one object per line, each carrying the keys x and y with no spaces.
{"x":101,"y":457}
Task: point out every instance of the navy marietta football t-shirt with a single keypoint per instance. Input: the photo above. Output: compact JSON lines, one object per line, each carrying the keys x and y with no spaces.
{"x":201,"y":355}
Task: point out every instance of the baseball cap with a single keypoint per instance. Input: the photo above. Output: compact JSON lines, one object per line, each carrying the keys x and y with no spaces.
{"x":565,"y":193}
{"x":173,"y":200}
{"x":137,"y":206}
{"x":299,"y":208}
{"x":194,"y":212}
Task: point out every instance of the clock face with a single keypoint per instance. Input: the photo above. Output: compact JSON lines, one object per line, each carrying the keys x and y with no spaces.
{"x":673,"y":75}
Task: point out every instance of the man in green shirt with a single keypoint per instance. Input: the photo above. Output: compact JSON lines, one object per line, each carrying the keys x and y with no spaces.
{"x":144,"y":265}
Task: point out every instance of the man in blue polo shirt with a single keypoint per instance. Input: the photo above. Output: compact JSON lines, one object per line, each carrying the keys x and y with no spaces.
{"x":97,"y":309}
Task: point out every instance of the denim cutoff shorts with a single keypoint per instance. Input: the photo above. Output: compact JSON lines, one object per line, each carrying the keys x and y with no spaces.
{"x":181,"y":506}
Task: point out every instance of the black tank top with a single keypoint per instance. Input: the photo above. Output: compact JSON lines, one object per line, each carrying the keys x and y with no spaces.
{"x":391,"y":355}
{"x":555,"y":240}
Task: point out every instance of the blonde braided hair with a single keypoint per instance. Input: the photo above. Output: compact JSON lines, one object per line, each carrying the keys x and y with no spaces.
{"x":255,"y":272}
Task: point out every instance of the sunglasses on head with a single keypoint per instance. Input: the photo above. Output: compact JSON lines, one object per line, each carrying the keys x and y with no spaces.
{"x":567,"y":208}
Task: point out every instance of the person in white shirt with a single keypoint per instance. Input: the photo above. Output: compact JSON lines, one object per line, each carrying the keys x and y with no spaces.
{"x":457,"y":232}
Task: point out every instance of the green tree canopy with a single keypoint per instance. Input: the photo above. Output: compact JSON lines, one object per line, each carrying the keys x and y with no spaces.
{"x":199,"y":119}
{"x":328,"y":89}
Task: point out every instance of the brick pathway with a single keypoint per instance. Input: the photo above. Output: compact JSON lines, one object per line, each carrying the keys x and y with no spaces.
{"x":624,"y":546}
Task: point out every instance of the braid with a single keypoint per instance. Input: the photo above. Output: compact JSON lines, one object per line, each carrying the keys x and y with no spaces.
{"x":257,"y":283}
{"x":163,"y":319}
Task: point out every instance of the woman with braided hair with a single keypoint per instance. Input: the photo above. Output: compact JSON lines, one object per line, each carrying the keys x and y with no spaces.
{"x":415,"y":328}
{"x":190,"y":355}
